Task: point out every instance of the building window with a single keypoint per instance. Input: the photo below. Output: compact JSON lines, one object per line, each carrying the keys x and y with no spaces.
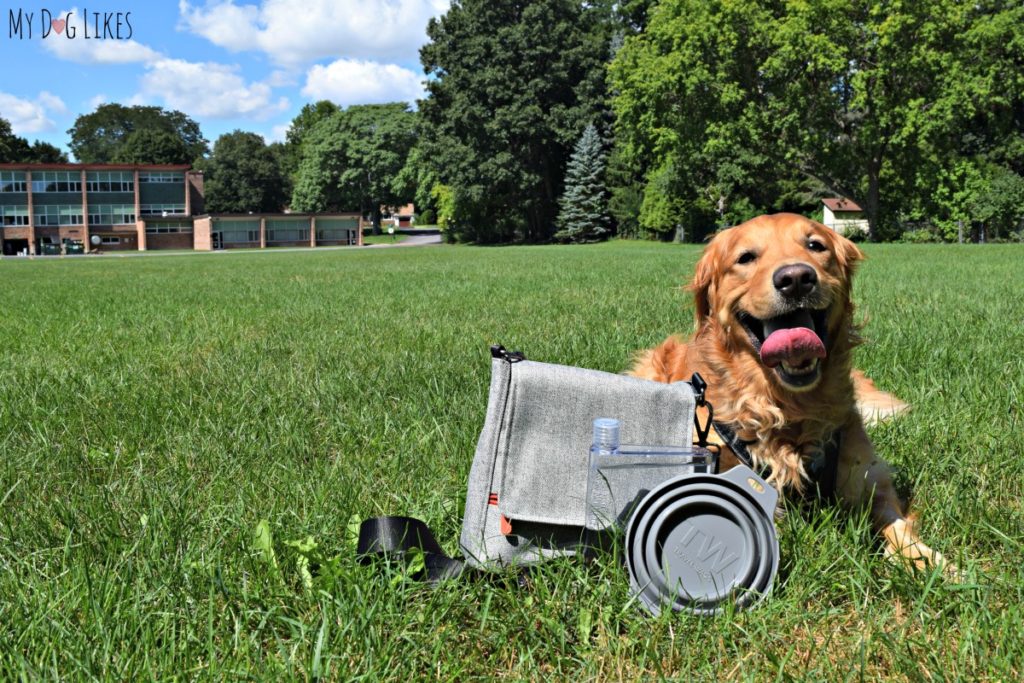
{"x":56,"y":181}
{"x":287,"y":231}
{"x":162,"y":209}
{"x":12,"y":181}
{"x":110,"y":181}
{"x":240,"y":236}
{"x":161,"y":177}
{"x":14,"y":215}
{"x":239,"y":232}
{"x":106,"y":239}
{"x":58,"y":215}
{"x":333,"y":234}
{"x":167,"y":229}
{"x":111,"y":214}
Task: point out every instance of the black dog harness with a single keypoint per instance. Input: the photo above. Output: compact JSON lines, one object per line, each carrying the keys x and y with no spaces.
{"x":822,"y":469}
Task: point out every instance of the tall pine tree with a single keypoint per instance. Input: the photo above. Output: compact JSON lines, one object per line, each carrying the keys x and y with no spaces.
{"x":511,"y":83}
{"x":584,"y":204}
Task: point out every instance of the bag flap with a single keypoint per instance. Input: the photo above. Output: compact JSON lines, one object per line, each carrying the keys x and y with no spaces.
{"x":550,"y":427}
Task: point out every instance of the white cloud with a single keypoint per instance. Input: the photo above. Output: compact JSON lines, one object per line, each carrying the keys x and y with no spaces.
{"x":52,"y":102}
{"x":91,"y":50}
{"x":297,"y":31}
{"x":282,"y":78}
{"x":278,"y":133}
{"x":222,"y":23}
{"x":350,"y":81}
{"x":208,"y":89}
{"x":97,"y":100}
{"x":27,"y":116}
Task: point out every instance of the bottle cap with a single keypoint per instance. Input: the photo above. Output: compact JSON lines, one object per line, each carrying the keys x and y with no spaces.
{"x":606,"y":433}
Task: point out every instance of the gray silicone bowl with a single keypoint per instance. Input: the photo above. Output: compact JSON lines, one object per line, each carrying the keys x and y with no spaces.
{"x":699,"y":542}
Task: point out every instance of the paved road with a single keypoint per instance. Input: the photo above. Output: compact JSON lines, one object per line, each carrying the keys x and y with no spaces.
{"x":412,"y":241}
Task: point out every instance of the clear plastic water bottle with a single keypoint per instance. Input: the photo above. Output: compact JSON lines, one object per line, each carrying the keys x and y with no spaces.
{"x":620,"y":474}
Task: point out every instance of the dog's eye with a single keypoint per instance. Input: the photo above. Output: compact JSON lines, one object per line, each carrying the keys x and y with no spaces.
{"x":815,"y":245}
{"x":746,"y":257}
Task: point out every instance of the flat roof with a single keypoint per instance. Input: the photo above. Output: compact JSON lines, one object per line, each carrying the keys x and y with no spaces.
{"x":319,"y":214}
{"x":96,"y":167}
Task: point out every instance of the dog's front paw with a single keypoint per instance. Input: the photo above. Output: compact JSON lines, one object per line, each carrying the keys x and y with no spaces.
{"x":902,"y":545}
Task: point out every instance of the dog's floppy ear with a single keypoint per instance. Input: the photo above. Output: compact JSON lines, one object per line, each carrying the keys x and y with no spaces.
{"x":848,"y":255}
{"x":703,"y":285}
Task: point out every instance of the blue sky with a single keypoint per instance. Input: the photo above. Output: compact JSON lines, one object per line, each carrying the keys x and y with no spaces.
{"x":228,"y":64}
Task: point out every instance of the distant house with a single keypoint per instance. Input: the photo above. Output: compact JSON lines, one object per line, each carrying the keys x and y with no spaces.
{"x":844,"y":216}
{"x":400,"y":216}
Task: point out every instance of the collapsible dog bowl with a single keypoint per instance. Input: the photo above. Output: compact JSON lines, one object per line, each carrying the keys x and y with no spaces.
{"x":699,"y":542}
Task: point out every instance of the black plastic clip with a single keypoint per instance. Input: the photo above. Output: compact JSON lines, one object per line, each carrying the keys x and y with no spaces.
{"x":499,"y":351}
{"x":700,"y":389}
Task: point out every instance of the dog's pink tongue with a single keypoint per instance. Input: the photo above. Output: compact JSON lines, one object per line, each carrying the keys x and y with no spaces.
{"x":795,"y":345}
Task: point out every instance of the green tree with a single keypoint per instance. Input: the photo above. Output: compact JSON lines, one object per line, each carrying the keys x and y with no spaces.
{"x":350,"y":160}
{"x":978,"y":200}
{"x":242,"y":175}
{"x":283,"y":159}
{"x":97,"y":138}
{"x":311,"y":114}
{"x":583,"y":214}
{"x":858,"y":97}
{"x":151,"y":146}
{"x":44,"y":153}
{"x":975,"y":190}
{"x":512,"y":84}
{"x":15,"y":149}
{"x":417,"y":180}
{"x":444,"y":200}
{"x":625,"y":189}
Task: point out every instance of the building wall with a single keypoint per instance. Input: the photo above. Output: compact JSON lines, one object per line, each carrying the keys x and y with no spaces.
{"x":162,"y":193}
{"x":845,"y":222}
{"x":236,"y":233}
{"x":126,"y":241}
{"x":64,"y":196}
{"x":337,"y":231}
{"x":14,"y":198}
{"x":201,"y":234}
{"x":19,"y":233}
{"x":196,"y":196}
{"x":288,"y":232}
{"x":179,"y":240}
{"x":168,"y":233}
{"x":111,"y":201}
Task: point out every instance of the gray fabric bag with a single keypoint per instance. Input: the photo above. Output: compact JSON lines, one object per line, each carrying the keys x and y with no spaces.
{"x":526,"y":498}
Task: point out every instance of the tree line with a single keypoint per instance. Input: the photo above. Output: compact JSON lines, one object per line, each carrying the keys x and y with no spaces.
{"x":559,"y":120}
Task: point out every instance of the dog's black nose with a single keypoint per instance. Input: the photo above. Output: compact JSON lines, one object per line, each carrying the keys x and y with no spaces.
{"x":795,"y":280}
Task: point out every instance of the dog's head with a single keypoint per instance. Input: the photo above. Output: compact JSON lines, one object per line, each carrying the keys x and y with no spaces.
{"x":778,"y":287}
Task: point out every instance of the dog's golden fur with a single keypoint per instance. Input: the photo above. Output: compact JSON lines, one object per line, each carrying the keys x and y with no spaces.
{"x":787,"y":417}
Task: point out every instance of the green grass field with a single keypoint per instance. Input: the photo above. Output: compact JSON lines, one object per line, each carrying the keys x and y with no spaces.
{"x":154,"y":410}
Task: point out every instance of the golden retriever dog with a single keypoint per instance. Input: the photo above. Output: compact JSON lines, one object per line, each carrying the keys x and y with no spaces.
{"x":774,"y":341}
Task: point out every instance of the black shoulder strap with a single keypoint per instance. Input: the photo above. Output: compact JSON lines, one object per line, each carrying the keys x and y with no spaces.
{"x":823,"y":470}
{"x":735,"y":443}
{"x":394,"y":536}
